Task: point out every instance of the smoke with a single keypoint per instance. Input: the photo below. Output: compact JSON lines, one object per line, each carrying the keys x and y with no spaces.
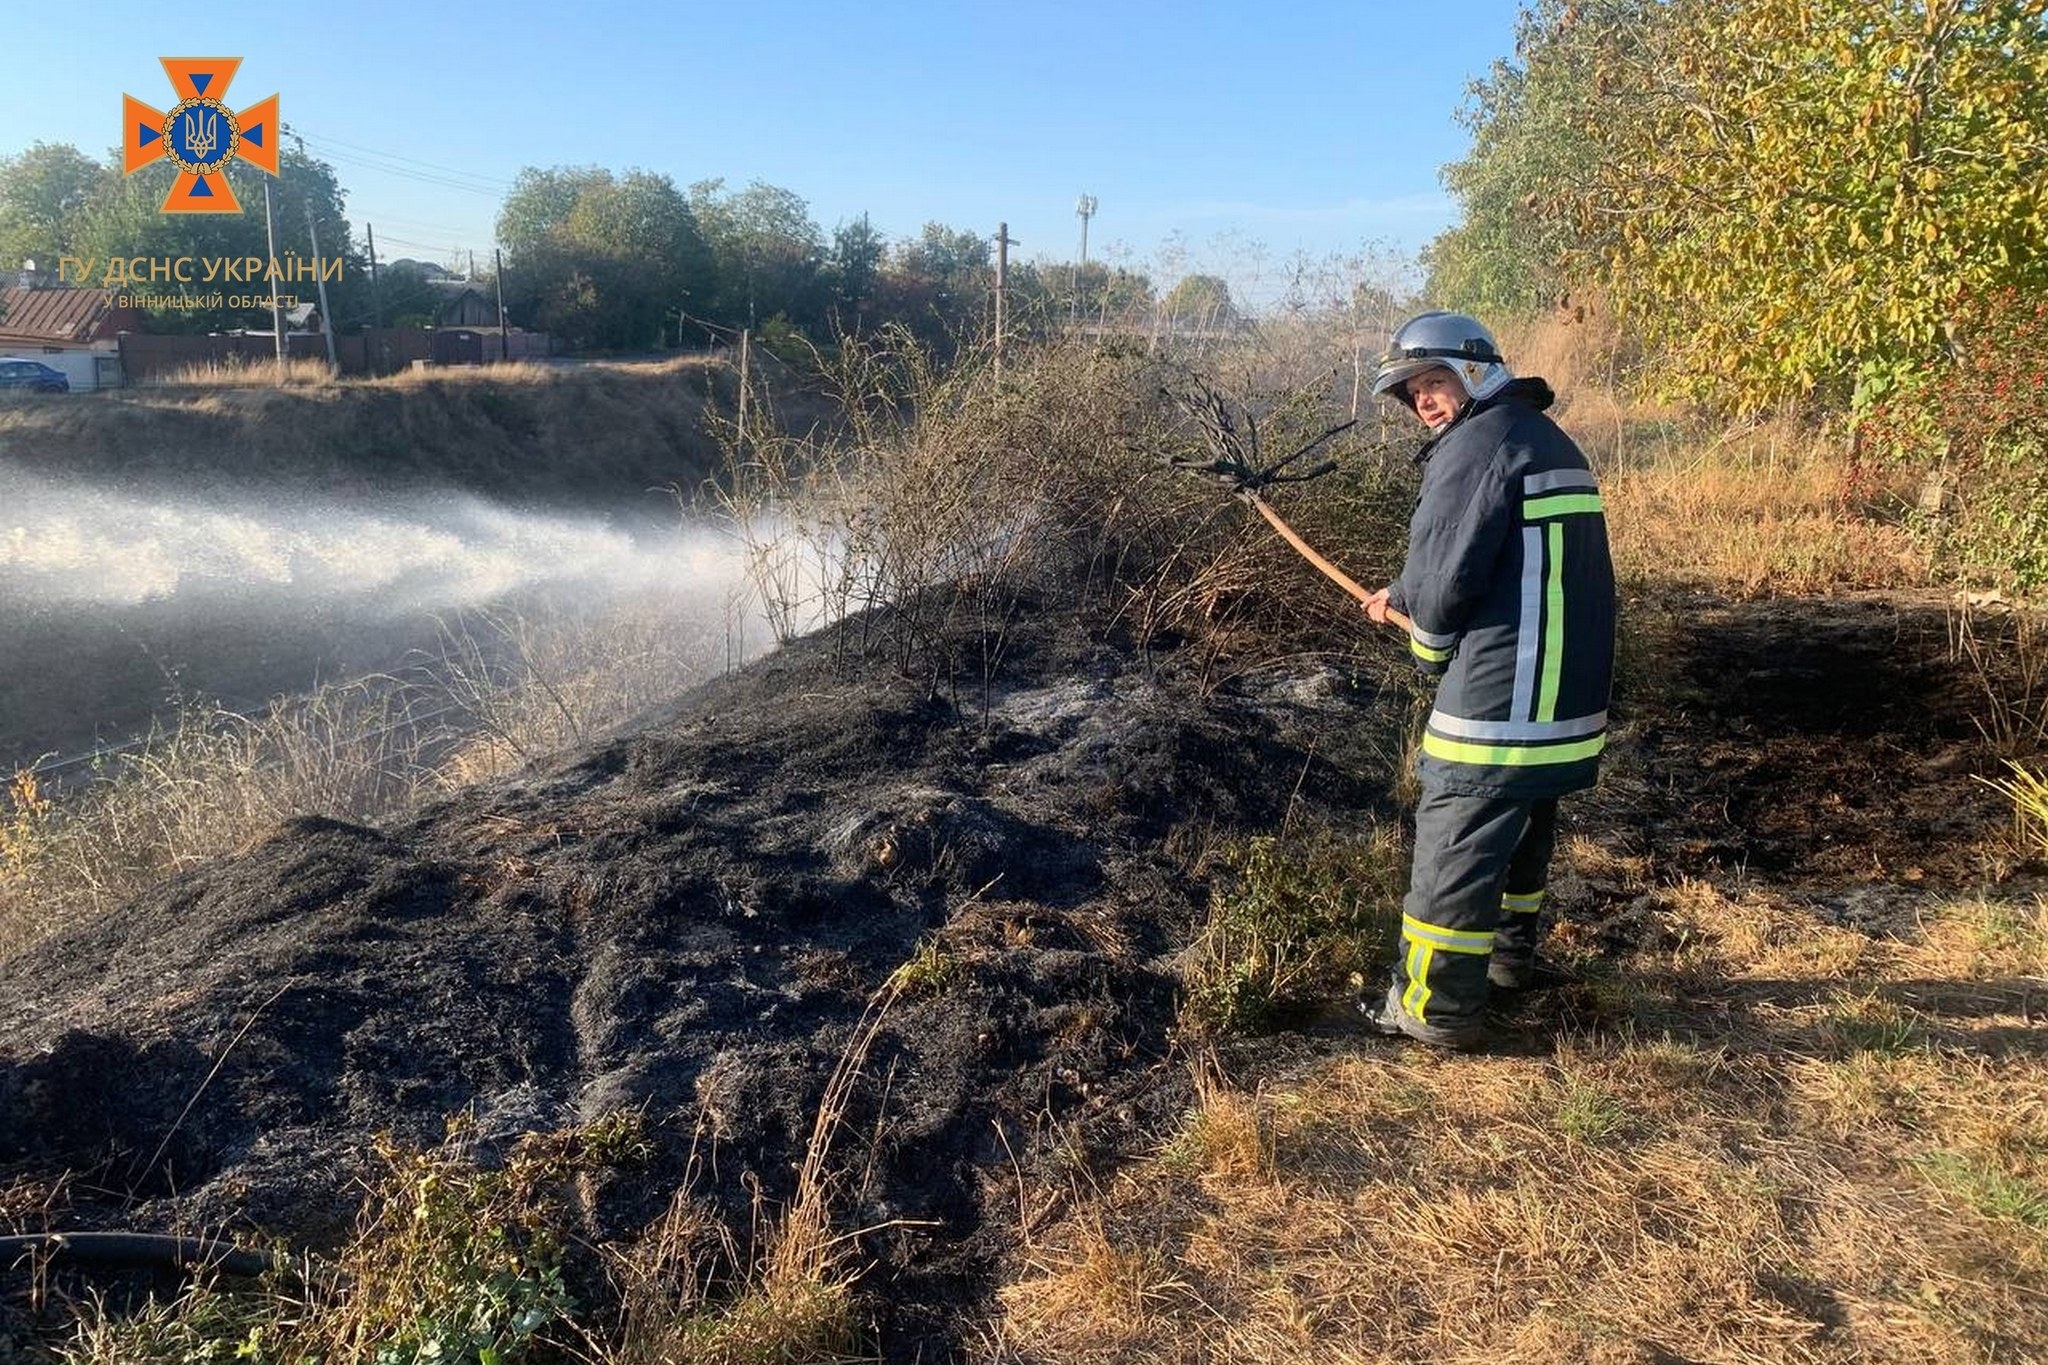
{"x":69,"y":545}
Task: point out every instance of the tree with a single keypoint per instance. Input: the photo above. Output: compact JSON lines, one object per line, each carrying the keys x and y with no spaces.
{"x":601,"y":260}
{"x":767,"y":253}
{"x":124,"y":219}
{"x":1785,"y":196}
{"x":1064,"y":290}
{"x":405,"y":297}
{"x":940,"y":284}
{"x":1506,"y":254}
{"x":1201,"y":302}
{"x":43,"y":192}
{"x":949,"y":255}
{"x":858,"y":252}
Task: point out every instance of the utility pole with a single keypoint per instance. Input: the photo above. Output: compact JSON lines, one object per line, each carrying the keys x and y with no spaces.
{"x":498,"y":279}
{"x":746,"y":338}
{"x":1003,"y":240}
{"x":376,"y":299}
{"x":1084,"y":209}
{"x":319,"y":275}
{"x":276,"y":314}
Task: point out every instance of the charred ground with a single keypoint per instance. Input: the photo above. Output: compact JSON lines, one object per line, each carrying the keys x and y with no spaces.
{"x":691,"y":919}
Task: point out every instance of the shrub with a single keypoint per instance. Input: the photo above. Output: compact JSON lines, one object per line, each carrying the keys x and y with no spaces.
{"x":1976,"y":434}
{"x":950,"y":495}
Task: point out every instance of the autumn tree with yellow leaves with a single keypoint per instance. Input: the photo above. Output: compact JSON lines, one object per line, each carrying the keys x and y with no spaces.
{"x":1783,"y":197}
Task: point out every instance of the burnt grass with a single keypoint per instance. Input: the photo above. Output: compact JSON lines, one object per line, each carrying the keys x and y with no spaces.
{"x":689,"y":919}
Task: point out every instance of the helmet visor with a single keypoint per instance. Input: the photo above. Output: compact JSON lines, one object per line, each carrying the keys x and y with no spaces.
{"x":1394,"y":371}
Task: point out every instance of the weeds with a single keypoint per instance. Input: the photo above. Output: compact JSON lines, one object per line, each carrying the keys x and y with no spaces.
{"x":196,"y":787}
{"x":2027,"y":789}
{"x":791,"y":1301}
{"x":1290,"y":919}
{"x":459,"y":1259}
{"x":947,"y":500}
{"x":1979,"y":430}
{"x":926,"y":971}
{"x":2006,"y":653}
{"x":452,"y":1260}
{"x":22,"y":824}
{"x":1587,"y":1113}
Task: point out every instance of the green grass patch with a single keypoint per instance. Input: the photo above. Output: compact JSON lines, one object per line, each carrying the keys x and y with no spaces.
{"x":451,"y":1262}
{"x":1871,"y":1023}
{"x":1589,"y":1114}
{"x":1990,"y":1191}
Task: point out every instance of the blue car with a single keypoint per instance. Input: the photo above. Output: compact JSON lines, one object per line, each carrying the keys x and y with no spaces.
{"x":30,"y":376}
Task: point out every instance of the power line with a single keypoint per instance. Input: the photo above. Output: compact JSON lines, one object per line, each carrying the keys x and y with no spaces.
{"x":439,"y":248}
{"x":405,"y":224}
{"x":415,"y":161}
{"x":444,"y":177}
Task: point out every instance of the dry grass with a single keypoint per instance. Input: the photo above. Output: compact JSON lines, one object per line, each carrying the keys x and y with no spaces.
{"x":1841,"y":1156}
{"x":303,"y":372}
{"x":1755,"y":511}
{"x":508,"y":689}
{"x":949,"y":496}
{"x":254,"y":374}
{"x":611,"y":433}
{"x":688,"y":1293}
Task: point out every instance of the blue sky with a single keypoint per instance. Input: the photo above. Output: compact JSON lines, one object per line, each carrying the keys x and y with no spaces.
{"x":1214,"y":136}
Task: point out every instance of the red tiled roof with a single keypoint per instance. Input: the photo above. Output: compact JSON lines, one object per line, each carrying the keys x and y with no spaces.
{"x":54,"y":315}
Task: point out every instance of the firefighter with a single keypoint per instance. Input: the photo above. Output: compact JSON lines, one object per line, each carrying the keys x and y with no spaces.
{"x":1510,"y":591}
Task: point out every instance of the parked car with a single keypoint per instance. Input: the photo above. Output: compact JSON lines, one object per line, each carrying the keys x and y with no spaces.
{"x":30,"y":376}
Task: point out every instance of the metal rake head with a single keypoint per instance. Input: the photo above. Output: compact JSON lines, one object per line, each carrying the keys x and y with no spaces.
{"x":1234,"y":455}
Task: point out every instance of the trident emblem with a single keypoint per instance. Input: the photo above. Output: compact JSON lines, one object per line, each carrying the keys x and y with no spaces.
{"x":202,"y":133}
{"x":201,"y":136}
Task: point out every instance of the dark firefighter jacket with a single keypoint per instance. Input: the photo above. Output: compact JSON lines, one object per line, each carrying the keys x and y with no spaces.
{"x":1511,"y":590}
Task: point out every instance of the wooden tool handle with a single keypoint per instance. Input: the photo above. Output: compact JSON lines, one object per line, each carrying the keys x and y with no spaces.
{"x":1335,"y":574}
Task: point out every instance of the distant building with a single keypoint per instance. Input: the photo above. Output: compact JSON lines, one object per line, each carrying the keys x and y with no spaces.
{"x":464,"y":303}
{"x":73,"y":330}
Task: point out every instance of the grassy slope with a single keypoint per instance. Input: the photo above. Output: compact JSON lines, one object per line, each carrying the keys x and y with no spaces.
{"x":595,"y":434}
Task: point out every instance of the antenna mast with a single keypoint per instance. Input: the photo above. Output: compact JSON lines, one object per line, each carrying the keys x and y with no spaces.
{"x":1084,"y":209}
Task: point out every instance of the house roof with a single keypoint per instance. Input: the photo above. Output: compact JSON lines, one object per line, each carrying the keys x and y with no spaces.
{"x":53,"y":315}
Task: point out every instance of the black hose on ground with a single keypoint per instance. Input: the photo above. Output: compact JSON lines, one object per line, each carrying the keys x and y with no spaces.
{"x":138,"y":1250}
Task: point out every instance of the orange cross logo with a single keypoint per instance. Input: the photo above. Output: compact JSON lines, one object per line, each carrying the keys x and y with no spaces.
{"x":201,"y":136}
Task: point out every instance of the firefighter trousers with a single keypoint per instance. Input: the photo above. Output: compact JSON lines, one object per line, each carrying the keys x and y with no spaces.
{"x":1475,"y":889}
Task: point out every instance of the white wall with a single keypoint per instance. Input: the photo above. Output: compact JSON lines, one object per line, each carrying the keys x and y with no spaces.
{"x":81,"y":367}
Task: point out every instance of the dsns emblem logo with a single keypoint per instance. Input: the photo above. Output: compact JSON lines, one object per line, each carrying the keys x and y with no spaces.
{"x":201,"y":136}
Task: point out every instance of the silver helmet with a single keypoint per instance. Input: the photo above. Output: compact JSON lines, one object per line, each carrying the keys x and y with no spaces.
{"x":1455,"y":341}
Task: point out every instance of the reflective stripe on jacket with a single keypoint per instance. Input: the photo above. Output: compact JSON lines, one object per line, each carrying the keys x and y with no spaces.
{"x":1511,"y":590}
